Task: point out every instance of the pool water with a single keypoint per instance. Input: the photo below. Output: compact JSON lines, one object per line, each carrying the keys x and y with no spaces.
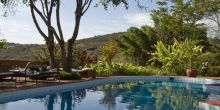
{"x":119,"y":96}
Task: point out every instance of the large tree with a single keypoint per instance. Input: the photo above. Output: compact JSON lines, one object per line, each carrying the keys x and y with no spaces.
{"x":177,"y":19}
{"x":44,"y":9}
{"x":211,"y":9}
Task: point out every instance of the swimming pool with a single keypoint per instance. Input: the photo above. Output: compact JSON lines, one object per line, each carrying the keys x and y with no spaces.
{"x":154,"y":94}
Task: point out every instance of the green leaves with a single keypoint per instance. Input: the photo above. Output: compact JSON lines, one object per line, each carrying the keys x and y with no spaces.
{"x":178,"y":56}
{"x":3,"y":42}
{"x":178,"y":19}
{"x":108,"y":51}
{"x":136,"y":44}
{"x":112,"y":68}
{"x":115,"y":3}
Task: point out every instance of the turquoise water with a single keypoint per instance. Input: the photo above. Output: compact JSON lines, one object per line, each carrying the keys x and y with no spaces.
{"x":119,"y":96}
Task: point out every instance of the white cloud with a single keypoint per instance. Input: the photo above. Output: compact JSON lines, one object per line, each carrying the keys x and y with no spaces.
{"x":138,"y":19}
{"x":19,"y":32}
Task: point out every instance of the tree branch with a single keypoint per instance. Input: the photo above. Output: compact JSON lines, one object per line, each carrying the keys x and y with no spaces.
{"x":43,"y":8}
{"x":51,"y":8}
{"x":37,"y":25}
{"x":89,"y":3}
{"x":45,"y":20}
{"x":58,"y":20}
{"x":38,"y":11}
{"x":46,"y":5}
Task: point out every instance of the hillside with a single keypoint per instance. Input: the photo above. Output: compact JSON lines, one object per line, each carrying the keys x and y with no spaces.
{"x":92,"y":43}
{"x":26,"y":51}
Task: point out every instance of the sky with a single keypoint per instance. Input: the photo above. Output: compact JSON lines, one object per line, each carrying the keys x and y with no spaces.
{"x":19,"y":27}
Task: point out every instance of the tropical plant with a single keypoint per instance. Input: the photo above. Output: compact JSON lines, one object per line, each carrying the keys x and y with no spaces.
{"x":191,"y":51}
{"x":178,"y":56}
{"x":108,"y":51}
{"x":137,"y":44}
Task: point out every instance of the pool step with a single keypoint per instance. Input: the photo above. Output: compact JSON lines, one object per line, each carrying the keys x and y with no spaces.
{"x":209,"y":105}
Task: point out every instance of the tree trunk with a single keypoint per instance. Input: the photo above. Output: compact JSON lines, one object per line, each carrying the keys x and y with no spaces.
{"x":51,"y":49}
{"x":63,"y":53}
{"x":69,"y":58}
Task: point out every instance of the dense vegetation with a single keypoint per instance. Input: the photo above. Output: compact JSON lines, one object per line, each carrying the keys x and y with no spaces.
{"x":177,"y":41}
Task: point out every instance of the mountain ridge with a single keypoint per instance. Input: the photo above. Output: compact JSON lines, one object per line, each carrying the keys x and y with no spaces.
{"x":16,"y":51}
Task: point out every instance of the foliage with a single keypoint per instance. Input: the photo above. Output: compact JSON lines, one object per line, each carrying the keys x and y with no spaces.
{"x":211,"y":10}
{"x":177,"y":20}
{"x":80,"y":56}
{"x":63,"y":75}
{"x":108,"y":51}
{"x":42,"y":56}
{"x":28,"y":51}
{"x":212,"y":58}
{"x":8,"y":6}
{"x":137,"y":44}
{"x":111,"y":68}
{"x":84,"y":59}
{"x":178,"y":56}
{"x":45,"y":11}
{"x":213,"y":71}
{"x":3,"y":42}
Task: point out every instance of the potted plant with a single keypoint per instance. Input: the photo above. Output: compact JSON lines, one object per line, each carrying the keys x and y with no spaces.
{"x":192,"y":51}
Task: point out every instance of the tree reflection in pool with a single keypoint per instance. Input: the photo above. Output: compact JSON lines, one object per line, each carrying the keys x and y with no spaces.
{"x":120,"y":96}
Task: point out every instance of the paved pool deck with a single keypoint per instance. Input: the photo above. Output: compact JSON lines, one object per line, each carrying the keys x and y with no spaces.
{"x":29,"y":84}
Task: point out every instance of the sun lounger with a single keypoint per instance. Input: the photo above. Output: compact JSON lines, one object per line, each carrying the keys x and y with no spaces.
{"x":21,"y":72}
{"x":35,"y":73}
{"x":5,"y":82}
{"x":44,"y":74}
{"x":85,"y":72}
{"x":7,"y":74}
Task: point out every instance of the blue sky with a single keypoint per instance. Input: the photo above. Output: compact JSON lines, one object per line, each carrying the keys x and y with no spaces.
{"x":19,"y":28}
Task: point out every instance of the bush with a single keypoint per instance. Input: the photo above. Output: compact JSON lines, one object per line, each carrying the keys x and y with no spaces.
{"x":213,"y":71}
{"x":111,"y":68}
{"x":68,"y":76}
{"x":211,"y":57}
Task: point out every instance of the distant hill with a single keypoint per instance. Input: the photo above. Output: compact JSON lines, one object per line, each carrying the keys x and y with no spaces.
{"x":26,"y":51}
{"x":94,"y":42}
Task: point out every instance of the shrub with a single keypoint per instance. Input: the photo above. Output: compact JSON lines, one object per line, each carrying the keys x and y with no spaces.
{"x":111,"y":68}
{"x":108,"y":51}
{"x":211,"y":57}
{"x":2,"y":43}
{"x":213,"y":71}
{"x":68,"y":76}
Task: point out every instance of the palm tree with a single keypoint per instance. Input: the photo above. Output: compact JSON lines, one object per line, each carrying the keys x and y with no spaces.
{"x":137,"y":44}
